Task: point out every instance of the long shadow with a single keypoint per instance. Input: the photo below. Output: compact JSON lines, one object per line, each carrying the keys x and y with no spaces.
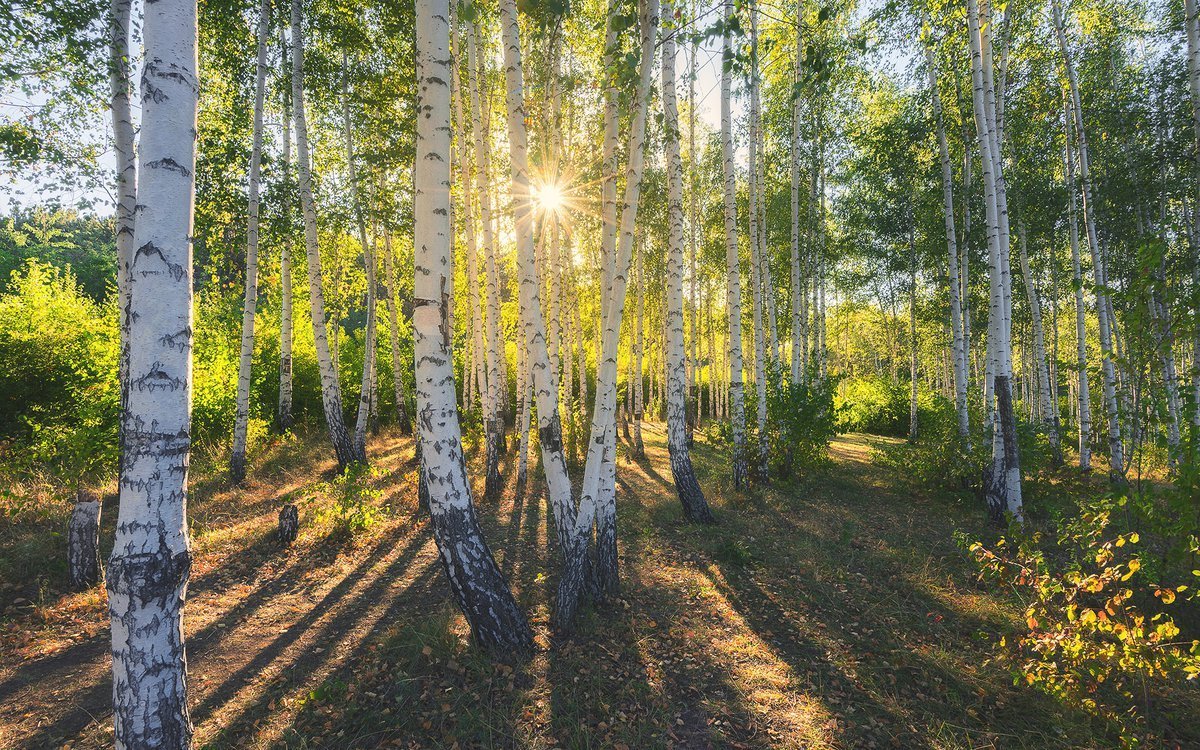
{"x":94,"y":701}
{"x":308,"y":664}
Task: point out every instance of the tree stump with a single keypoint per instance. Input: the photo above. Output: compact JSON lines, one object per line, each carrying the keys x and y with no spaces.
{"x":83,"y":542}
{"x":289,"y":524}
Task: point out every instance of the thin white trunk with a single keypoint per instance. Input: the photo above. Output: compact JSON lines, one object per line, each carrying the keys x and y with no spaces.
{"x":1049,"y":414}
{"x":558,"y":482}
{"x":494,"y":350}
{"x":597,"y":497}
{"x":695,"y":507}
{"x":389,"y":295}
{"x":1084,"y":416}
{"x":284,"y":412}
{"x":241,"y":420}
{"x":639,"y":346}
{"x":733,"y":293}
{"x":797,"y":289}
{"x":151,"y":558}
{"x":369,"y":264}
{"x":1103,"y":308}
{"x":120,"y":85}
{"x":758,"y":271}
{"x":478,"y":585}
{"x":958,"y":344}
{"x":331,"y":390}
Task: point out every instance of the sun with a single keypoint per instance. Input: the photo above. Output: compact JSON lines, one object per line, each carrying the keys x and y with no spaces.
{"x":549,"y":198}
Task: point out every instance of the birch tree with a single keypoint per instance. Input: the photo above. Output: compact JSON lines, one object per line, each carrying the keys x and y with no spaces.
{"x":478,"y":585}
{"x":733,"y":289}
{"x":331,"y":390}
{"x":241,"y":420}
{"x":150,"y":565}
{"x":691,"y":497}
{"x":284,"y":410}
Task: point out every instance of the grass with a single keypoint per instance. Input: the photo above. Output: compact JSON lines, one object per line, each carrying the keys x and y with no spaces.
{"x":834,"y":612}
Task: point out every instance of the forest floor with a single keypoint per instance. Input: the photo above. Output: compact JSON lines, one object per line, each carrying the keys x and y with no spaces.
{"x":835,"y":612}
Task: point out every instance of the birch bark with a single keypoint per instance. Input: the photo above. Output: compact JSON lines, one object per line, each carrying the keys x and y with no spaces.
{"x":695,"y":507}
{"x":241,"y":419}
{"x":733,"y":293}
{"x":331,"y":390}
{"x":478,"y":585}
{"x":150,"y":565}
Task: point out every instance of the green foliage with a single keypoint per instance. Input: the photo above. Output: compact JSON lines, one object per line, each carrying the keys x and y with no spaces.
{"x":873,"y":404}
{"x":355,"y":502}
{"x":800,"y":417}
{"x":939,"y":457}
{"x":58,"y":389}
{"x":63,"y":239}
{"x":1098,"y":630}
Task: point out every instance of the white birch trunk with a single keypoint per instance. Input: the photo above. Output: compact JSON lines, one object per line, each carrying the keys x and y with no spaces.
{"x":151,"y":558}
{"x":331,"y":390}
{"x":1084,"y":417}
{"x":494,"y":349}
{"x":120,"y":85}
{"x":597,"y":497}
{"x":478,"y":585}
{"x":733,"y":294}
{"x":691,"y":497}
{"x":1103,"y":309}
{"x":558,"y":482}
{"x":241,"y":420}
{"x":284,"y":411}
{"x":1192,"y":26}
{"x":958,"y":343}
{"x":757,"y":261}
{"x":368,"y":374}
{"x":1049,"y":414}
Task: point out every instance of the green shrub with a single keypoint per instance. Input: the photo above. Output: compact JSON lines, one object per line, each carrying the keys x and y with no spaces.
{"x":800,"y":419}
{"x":874,"y":404}
{"x":59,"y":400}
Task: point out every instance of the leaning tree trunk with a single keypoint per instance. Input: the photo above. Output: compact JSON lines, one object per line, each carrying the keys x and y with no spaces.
{"x":331,"y":390}
{"x":733,"y":293}
{"x":1103,"y":304}
{"x":554,"y":466}
{"x":284,"y":411}
{"x":151,"y":558}
{"x":695,"y":507}
{"x":126,"y":157}
{"x":241,"y":419}
{"x":478,"y":585}
{"x":597,"y":496}
{"x":959,"y":349}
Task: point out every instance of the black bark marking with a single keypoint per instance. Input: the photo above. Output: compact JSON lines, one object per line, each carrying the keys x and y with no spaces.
{"x":179,"y":340}
{"x":157,"y":379}
{"x":169,"y":164}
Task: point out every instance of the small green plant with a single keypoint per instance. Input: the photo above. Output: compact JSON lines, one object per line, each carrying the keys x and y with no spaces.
{"x":801,"y":420}
{"x":355,"y":503}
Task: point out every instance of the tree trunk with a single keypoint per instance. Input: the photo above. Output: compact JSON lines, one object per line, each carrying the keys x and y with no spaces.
{"x":331,"y":390}
{"x":757,"y":261}
{"x":151,"y":558}
{"x":83,"y":542}
{"x":1003,"y":485}
{"x":478,"y":585}
{"x":494,"y":350}
{"x":126,"y":158}
{"x":241,"y":420}
{"x":691,"y":497}
{"x":1049,"y":415}
{"x":554,"y":467}
{"x":1192,"y":24}
{"x":639,"y":344}
{"x":1103,"y":309}
{"x":1084,"y":418}
{"x":368,"y":374}
{"x":284,"y":412}
{"x":958,"y":345}
{"x":733,"y":294}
